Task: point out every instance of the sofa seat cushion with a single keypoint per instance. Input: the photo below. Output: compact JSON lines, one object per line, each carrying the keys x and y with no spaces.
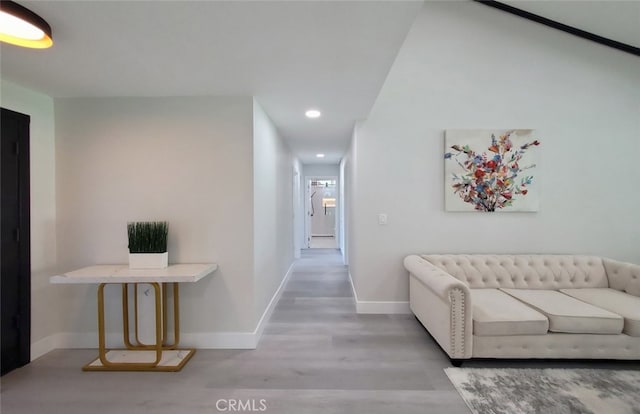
{"x":615,"y":301}
{"x":567,"y":314}
{"x":495,"y":313}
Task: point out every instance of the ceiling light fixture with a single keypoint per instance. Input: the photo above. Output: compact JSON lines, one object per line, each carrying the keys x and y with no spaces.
{"x":21,"y":27}
{"x":320,"y":155}
{"x":313,"y":113}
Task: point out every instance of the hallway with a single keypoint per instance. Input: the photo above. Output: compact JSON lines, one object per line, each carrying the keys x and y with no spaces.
{"x":316,"y":356}
{"x":332,"y":359}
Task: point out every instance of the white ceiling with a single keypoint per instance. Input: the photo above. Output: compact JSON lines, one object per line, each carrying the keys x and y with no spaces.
{"x":290,"y":55}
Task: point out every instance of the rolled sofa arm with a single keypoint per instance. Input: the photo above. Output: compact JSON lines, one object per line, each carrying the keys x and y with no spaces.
{"x":623,"y":276}
{"x":442,"y":304}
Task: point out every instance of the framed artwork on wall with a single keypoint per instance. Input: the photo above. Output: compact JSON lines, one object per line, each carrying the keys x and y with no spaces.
{"x":491,"y":170}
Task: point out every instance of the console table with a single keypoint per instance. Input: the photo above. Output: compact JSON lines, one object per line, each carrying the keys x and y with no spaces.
{"x":138,"y":356}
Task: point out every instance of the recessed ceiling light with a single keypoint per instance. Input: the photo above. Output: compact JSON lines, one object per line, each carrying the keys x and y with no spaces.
{"x":320,"y":155}
{"x":313,"y":113}
{"x":21,"y":27}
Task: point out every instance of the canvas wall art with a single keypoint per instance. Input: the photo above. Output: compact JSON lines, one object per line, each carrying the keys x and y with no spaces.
{"x":491,"y":170}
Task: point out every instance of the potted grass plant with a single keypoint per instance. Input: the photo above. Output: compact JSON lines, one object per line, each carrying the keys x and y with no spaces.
{"x":148,"y":244}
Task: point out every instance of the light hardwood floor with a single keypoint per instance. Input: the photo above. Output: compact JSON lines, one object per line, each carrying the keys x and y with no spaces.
{"x":323,"y":242}
{"x":316,"y":356}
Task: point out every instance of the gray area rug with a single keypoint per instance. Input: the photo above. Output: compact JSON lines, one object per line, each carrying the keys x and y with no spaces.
{"x":548,"y":391}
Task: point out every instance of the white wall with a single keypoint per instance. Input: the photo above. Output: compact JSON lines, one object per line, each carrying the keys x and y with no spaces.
{"x":185,"y":160}
{"x":348,"y":190}
{"x":321,"y":170}
{"x":342,"y":210}
{"x":273,"y":167}
{"x":43,"y":207}
{"x":298,"y":208}
{"x":464,"y":65}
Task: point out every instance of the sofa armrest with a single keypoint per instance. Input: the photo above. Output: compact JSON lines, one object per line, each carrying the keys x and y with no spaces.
{"x":436,"y":279}
{"x":623,"y":276}
{"x":442,"y":303}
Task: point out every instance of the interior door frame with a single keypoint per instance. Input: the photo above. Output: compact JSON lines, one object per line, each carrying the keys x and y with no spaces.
{"x":307,"y":206}
{"x":24,"y":239}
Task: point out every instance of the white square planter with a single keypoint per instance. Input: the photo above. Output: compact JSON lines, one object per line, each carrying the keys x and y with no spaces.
{"x":148,"y":260}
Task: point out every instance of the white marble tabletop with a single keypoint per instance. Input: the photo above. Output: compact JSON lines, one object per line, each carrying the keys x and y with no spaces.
{"x":122,"y":274}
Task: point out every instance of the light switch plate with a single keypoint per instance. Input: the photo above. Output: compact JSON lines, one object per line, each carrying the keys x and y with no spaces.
{"x":382,"y":219}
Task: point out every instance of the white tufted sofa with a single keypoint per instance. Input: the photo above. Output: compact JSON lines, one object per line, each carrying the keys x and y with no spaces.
{"x":527,"y":306}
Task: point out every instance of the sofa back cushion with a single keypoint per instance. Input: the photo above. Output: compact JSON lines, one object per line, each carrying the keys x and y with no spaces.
{"x":623,"y":276}
{"x":523,"y":271}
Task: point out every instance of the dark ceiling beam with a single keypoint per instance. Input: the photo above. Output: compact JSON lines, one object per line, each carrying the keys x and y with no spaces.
{"x":559,"y":26}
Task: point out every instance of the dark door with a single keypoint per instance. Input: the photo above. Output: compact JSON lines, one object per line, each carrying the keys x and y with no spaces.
{"x":15,"y":284}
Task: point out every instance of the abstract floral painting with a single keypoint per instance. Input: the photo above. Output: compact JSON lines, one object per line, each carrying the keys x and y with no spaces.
{"x":491,"y":170}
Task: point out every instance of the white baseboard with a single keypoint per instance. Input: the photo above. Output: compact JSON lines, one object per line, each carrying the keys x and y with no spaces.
{"x":353,"y":288}
{"x":213,"y":340}
{"x":68,"y":340}
{"x":44,"y":346}
{"x":384,"y":307}
{"x":216,"y":340}
{"x":266,"y":315}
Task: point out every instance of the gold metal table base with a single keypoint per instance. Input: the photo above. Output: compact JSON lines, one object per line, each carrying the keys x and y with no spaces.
{"x":172,"y":360}
{"x":138,"y":356}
